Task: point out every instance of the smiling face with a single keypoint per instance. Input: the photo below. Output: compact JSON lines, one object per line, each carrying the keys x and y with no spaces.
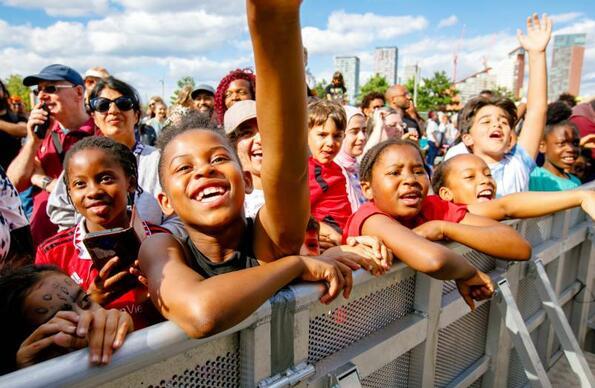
{"x":324,"y":141}
{"x":203,"y":181}
{"x":355,"y":136}
{"x":116,"y":124}
{"x":248,"y":147}
{"x":54,"y":292}
{"x":399,"y":182}
{"x":489,"y":136}
{"x":561,"y":146}
{"x":468,"y":180}
{"x":204,"y":102}
{"x":64,"y":101}
{"x":98,"y":188}
{"x":238,"y":90}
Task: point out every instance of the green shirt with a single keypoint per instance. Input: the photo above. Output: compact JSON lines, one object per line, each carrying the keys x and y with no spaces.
{"x":543,"y":180}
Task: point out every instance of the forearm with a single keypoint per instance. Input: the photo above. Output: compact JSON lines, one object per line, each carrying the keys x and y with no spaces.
{"x":536,"y":104}
{"x":16,"y":130}
{"x":22,"y":167}
{"x":498,"y":240}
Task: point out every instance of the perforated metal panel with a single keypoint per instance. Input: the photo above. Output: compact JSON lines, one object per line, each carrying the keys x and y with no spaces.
{"x":393,"y":374}
{"x":539,"y":230}
{"x":482,"y":262}
{"x":516,"y":373}
{"x":570,"y":267}
{"x":460,"y":344}
{"x":223,"y":371}
{"x":527,"y":298}
{"x":337,"y":329}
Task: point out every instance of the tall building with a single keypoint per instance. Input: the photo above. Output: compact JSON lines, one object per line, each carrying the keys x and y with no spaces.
{"x":567,"y":65}
{"x":349,"y":67}
{"x":410,"y":72}
{"x":386,"y":61}
{"x":472,"y":85}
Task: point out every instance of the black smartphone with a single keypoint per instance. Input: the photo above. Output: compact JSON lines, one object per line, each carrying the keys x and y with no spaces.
{"x":104,"y":245}
{"x":40,"y":130}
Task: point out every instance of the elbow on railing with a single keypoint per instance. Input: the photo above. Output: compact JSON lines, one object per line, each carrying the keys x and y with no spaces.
{"x":198,"y":322}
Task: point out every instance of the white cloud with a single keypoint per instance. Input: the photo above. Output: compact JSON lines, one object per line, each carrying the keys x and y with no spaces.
{"x":448,"y":22}
{"x":562,"y":18}
{"x":216,"y":6}
{"x":65,"y":8}
{"x":346,"y":32}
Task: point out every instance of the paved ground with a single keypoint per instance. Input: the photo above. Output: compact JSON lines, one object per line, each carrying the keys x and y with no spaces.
{"x":562,"y":376}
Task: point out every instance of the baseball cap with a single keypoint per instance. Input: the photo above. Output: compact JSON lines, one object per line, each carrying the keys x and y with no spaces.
{"x":202,"y":87}
{"x":97,"y":72}
{"x":55,"y":72}
{"x":239,"y":112}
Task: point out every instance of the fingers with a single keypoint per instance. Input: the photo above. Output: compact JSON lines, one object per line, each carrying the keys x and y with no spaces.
{"x":107,"y":268}
{"x":109,"y":335}
{"x":96,"y":334}
{"x":125,"y":326}
{"x":348,"y":280}
{"x":469,"y":301}
{"x":335,"y":284}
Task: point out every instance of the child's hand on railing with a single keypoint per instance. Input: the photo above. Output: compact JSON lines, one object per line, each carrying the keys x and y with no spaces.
{"x":477,"y":287}
{"x":538,"y":33}
{"x":588,"y":203}
{"x":334,"y":273}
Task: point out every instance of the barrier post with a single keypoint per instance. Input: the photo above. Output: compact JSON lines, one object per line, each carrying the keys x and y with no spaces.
{"x":428,"y":299}
{"x":582,"y":302}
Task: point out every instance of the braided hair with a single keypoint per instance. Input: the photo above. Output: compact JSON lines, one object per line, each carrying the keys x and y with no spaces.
{"x":245,"y":74}
{"x":370,"y":158}
{"x":118,"y":151}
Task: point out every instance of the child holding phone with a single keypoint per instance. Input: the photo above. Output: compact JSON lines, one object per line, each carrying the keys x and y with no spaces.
{"x":100,"y":174}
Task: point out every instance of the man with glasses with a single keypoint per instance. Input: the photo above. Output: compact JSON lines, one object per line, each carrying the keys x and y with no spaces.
{"x":60,"y":90}
{"x":398,"y":98}
{"x":12,"y":128}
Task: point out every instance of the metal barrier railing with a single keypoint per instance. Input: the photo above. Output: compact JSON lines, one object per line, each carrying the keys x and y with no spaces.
{"x":401,"y":329}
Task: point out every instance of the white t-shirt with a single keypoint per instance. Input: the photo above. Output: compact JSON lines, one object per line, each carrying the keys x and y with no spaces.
{"x":12,"y":215}
{"x":253,"y":202}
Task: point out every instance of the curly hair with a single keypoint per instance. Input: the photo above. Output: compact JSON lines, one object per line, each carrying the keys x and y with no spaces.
{"x":368,"y":98}
{"x":374,"y":153}
{"x":118,"y":151}
{"x":246,"y":74}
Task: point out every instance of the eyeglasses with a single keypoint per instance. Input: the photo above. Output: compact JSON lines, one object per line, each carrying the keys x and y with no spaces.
{"x":51,"y":89}
{"x":102,"y":104}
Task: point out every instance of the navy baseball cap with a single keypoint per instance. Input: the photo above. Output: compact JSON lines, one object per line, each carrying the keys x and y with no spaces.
{"x":55,"y":72}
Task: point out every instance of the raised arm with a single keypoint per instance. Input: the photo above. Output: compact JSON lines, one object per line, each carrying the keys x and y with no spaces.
{"x":17,"y":130}
{"x":534,"y":204}
{"x":535,"y":42}
{"x":281,"y":111}
{"x":202,"y":307}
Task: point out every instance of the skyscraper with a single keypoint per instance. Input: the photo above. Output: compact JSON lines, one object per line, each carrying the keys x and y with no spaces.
{"x":349,"y":67}
{"x":567,"y":65}
{"x":386,"y":62}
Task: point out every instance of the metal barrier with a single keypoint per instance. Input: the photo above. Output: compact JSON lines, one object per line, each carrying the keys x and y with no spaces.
{"x":401,"y":329}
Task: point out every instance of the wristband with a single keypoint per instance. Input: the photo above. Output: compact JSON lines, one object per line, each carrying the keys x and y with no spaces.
{"x":45,"y":181}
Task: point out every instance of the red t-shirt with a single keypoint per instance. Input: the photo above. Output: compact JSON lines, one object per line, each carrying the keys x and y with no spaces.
{"x":432,"y":208}
{"x":585,"y":127}
{"x":62,"y":251}
{"x":51,"y":162}
{"x":328,"y":194}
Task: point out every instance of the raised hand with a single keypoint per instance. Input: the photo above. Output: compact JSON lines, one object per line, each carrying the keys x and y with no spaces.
{"x":538,"y":33}
{"x":108,"y":286}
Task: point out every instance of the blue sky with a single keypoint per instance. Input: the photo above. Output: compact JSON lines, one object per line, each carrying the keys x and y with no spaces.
{"x":145,"y":41}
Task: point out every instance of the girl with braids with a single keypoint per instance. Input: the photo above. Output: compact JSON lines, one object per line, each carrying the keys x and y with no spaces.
{"x":238,"y":85}
{"x":46,"y":315}
{"x":395,"y":182}
{"x":100,"y":175}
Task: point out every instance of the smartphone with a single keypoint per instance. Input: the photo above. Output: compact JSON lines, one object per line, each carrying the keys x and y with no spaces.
{"x":40,"y":130}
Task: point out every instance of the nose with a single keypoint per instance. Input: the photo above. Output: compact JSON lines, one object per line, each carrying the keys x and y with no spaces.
{"x":113,"y":108}
{"x":257,"y":138}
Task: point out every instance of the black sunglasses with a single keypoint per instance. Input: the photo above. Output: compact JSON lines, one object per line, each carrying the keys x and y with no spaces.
{"x":102,"y":104}
{"x":51,"y":89}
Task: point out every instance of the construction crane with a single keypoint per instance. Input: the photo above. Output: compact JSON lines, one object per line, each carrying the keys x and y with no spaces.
{"x":455,"y":55}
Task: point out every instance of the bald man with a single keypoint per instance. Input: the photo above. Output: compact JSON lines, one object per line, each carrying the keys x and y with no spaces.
{"x":398,"y":97}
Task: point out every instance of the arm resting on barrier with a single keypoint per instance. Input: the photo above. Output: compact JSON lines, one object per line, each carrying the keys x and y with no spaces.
{"x":202,"y":307}
{"x":534,"y":204}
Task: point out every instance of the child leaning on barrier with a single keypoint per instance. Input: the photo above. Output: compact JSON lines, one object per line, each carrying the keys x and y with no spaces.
{"x":229,"y":265}
{"x":396,"y":184}
{"x":45,"y":314}
{"x":467,"y":180}
{"x":486,"y":124}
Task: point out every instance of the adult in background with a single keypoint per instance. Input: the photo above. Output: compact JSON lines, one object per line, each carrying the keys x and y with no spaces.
{"x":17,"y":106}
{"x":92,"y":76}
{"x":371,"y":102}
{"x":204,"y":99}
{"x":159,"y":121}
{"x":237,"y":85}
{"x":13,"y":127}
{"x":435,"y":137}
{"x":184,"y":97}
{"x":583,"y":116}
{"x":335,"y":91}
{"x":398,"y":98}
{"x":39,"y":163}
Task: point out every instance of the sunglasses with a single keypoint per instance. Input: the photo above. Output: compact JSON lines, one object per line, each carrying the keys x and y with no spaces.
{"x":51,"y":89}
{"x":102,"y":104}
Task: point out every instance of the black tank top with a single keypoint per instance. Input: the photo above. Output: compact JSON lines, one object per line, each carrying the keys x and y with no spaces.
{"x":242,"y":258}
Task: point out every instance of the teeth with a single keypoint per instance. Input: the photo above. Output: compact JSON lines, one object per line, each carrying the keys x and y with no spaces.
{"x":209,"y":191}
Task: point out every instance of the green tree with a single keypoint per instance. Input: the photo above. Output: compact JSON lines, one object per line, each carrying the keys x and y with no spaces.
{"x":14,"y":84}
{"x":320,"y":88}
{"x":376,"y":83}
{"x":184,"y":81}
{"x":433,"y":93}
{"x":503,"y":91}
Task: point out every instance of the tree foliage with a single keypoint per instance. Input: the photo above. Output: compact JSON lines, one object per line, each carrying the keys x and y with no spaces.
{"x":320,"y":88}
{"x":433,"y":93}
{"x":184,"y":81}
{"x":503,"y":91}
{"x":14,"y":84}
{"x":376,"y":83}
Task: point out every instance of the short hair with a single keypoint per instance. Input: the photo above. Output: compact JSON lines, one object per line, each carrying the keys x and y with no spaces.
{"x":368,"y":98}
{"x":488,"y":92}
{"x":119,"y":86}
{"x":245,"y":74}
{"x":374,"y":153}
{"x":473,"y":106}
{"x":322,"y":110}
{"x":568,"y":99}
{"x":15,"y":285}
{"x":121,"y":154}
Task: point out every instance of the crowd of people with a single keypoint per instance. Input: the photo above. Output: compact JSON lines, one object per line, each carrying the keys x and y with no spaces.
{"x":258,"y":185}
